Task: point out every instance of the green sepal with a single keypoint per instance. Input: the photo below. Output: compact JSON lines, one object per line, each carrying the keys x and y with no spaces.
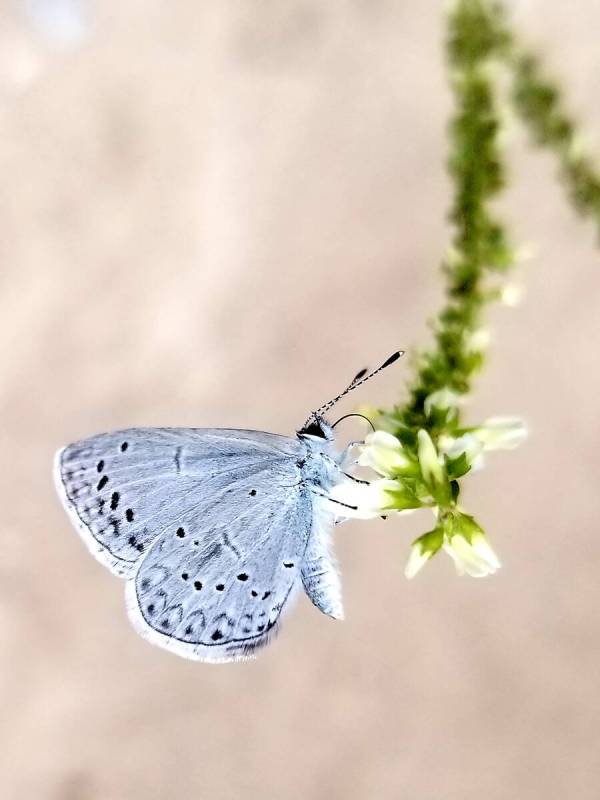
{"x":457,"y":467}
{"x":431,"y":541}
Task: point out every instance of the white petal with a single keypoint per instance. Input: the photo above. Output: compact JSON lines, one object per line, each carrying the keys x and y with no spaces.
{"x":366,"y":500}
{"x":478,"y":341}
{"x":383,"y":439}
{"x":512,"y":294}
{"x":468,"y":559}
{"x":468,"y":443}
{"x":442,"y":399}
{"x":349,"y":498}
{"x":502,"y":433}
{"x":383,"y":453}
{"x":483,"y":548}
{"x":416,"y":561}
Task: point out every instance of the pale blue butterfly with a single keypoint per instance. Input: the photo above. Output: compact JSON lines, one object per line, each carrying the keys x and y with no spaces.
{"x":214,"y":529}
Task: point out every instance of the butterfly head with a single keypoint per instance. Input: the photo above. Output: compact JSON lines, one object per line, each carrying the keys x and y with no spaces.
{"x":316,"y":428}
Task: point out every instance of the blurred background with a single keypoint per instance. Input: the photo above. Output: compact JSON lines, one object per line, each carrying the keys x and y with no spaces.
{"x":215,"y":214}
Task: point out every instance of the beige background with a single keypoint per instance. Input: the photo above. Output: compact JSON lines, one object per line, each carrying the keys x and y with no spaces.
{"x":214,"y":214}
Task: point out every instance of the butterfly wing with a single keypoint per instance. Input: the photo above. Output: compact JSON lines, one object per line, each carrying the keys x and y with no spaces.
{"x":319,"y":572}
{"x":123,"y":489}
{"x":214,"y":586}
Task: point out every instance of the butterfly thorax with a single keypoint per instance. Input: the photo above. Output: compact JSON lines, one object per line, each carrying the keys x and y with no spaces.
{"x":320,"y":464}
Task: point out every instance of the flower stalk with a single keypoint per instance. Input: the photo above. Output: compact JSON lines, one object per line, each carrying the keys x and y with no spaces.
{"x":423,"y":450}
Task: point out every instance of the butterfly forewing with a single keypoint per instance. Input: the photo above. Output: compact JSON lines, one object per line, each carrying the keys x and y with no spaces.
{"x":123,"y":489}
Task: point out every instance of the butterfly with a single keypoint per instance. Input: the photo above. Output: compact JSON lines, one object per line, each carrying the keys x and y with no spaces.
{"x":215,"y":530}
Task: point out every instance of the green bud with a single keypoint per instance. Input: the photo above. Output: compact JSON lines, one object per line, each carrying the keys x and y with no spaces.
{"x":431,"y":469}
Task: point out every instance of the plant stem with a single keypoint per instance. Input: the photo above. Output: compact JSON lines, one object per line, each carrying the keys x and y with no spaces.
{"x":477,"y":38}
{"x":540,"y":106}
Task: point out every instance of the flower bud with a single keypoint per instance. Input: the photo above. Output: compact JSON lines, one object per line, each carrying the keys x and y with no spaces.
{"x":444,"y":399}
{"x":466,"y":543}
{"x":462,"y":454}
{"x":384,"y":453}
{"x":432,"y":471}
{"x":478,"y":341}
{"x":422,"y":549}
{"x":511,"y":294}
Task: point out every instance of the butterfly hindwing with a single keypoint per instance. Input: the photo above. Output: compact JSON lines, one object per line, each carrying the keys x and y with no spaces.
{"x":215,"y":590}
{"x":123,"y":489}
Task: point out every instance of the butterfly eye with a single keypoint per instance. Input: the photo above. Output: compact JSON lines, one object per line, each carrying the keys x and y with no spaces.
{"x":313,"y":429}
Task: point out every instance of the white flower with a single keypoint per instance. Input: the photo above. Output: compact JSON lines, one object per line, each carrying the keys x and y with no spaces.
{"x":466,"y":544}
{"x":375,"y":499}
{"x":578,"y":147}
{"x":468,"y":444}
{"x":443,"y":400}
{"x":501,"y":433}
{"x":464,"y":541}
{"x":422,"y":550}
{"x":431,"y":468}
{"x":511,"y":294}
{"x":384,"y":453}
{"x":477,"y":341}
{"x":471,"y":554}
{"x":361,"y":500}
{"x":496,"y":433}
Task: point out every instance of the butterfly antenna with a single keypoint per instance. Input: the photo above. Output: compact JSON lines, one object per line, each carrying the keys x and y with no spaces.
{"x":361,"y":377}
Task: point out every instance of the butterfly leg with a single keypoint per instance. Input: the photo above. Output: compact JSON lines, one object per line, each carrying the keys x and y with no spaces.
{"x":333,"y":500}
{"x":347,"y":459}
{"x":340,"y":467}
